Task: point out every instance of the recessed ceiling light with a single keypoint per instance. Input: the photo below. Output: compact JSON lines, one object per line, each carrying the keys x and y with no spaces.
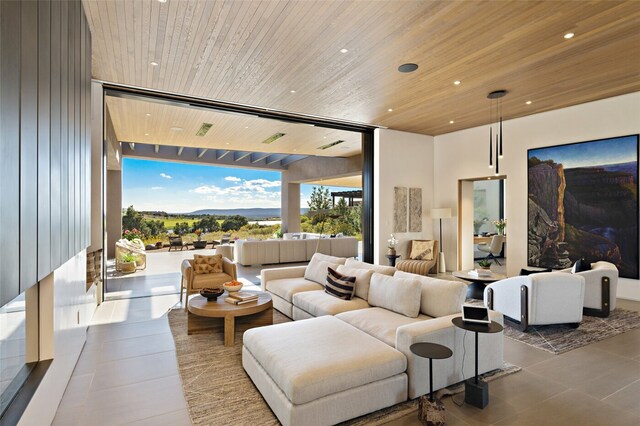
{"x":154,"y":63}
{"x":344,"y":50}
{"x":528,"y":102}
{"x":146,"y":134}
{"x":451,"y":121}
{"x":390,"y":110}
{"x":176,"y":129}
{"x":457,"y":82}
{"x":292,"y":91}
{"x":408,"y":67}
{"x":162,"y":1}
{"x":227,"y":143}
{"x":569,"y":35}
{"x":148,"y":115}
{"x":246,"y":127}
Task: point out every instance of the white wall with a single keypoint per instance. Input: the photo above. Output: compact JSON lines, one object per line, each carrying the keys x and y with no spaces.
{"x":401,"y":160}
{"x":462,"y":155}
{"x":72,"y":307}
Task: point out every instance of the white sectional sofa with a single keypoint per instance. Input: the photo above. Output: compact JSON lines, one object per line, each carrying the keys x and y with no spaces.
{"x":345,"y":356}
{"x":266,"y":252}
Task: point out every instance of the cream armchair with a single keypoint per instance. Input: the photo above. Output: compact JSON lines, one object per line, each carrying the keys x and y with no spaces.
{"x":600,"y":288}
{"x":193,"y":283}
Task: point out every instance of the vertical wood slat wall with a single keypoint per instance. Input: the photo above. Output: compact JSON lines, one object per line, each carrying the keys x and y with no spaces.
{"x":45,"y":101}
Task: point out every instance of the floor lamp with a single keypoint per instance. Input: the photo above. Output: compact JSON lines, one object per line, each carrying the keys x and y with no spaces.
{"x":443,"y":213}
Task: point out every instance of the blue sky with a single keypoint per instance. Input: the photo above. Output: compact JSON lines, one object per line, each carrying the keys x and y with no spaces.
{"x":604,"y":152}
{"x":183,"y":188}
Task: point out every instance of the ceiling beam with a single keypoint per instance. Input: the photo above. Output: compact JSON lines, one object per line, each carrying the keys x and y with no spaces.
{"x":180,"y":151}
{"x":157,"y":148}
{"x":240,"y":155}
{"x":292,"y":159}
{"x":221,"y":153}
{"x":132,"y":146}
{"x":258,"y":156}
{"x":202,"y":151}
{"x":274,"y":158}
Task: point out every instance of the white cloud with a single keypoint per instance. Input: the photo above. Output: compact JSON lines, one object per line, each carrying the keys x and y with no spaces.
{"x":232,"y":179}
{"x":262,"y":183}
{"x":164,"y":175}
{"x":155,"y":188}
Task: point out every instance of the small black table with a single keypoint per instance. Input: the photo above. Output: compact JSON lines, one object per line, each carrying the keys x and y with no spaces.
{"x":392,"y":259}
{"x":476,"y":391}
{"x":431,"y":351}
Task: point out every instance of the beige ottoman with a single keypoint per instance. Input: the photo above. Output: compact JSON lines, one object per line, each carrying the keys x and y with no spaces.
{"x":323,"y":371}
{"x":225,"y":250}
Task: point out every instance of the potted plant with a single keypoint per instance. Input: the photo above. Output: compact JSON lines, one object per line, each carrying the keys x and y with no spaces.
{"x":127,"y":263}
{"x":391,"y":245}
{"x":484,"y":264}
{"x":199,"y":244}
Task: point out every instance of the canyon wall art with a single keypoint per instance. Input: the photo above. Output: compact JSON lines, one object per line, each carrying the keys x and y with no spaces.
{"x":583,"y":203}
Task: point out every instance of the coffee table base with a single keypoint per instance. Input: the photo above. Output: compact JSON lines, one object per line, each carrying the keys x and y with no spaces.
{"x":476,"y":394}
{"x":197,"y":324}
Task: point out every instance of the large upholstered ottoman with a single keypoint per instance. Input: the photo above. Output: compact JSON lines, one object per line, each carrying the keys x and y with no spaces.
{"x":322,"y":371}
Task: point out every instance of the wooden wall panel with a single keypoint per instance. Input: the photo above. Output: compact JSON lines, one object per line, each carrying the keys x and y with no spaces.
{"x":28,"y":242}
{"x":55,"y":161}
{"x":44,"y":139}
{"x":10,"y":158}
{"x":45,"y":59}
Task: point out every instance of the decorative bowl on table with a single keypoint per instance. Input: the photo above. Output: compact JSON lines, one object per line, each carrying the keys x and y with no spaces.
{"x":232,"y":286}
{"x":211,"y":293}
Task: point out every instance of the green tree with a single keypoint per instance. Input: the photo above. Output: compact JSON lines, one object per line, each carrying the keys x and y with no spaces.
{"x":181,"y":228}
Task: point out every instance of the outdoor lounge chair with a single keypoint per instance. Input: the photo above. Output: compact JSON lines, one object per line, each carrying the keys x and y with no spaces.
{"x":175,"y":242}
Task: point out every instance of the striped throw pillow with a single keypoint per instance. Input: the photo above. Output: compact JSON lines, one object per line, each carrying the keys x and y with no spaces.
{"x":340,"y":286}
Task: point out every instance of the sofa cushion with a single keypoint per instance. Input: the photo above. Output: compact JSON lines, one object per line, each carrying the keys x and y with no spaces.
{"x":327,"y":258}
{"x":287,"y":287}
{"x":356,"y":264}
{"x":317,"y":271}
{"x":322,"y":356}
{"x":401,"y":295}
{"x":319,"y":303}
{"x":363,"y":279}
{"x":422,"y":250}
{"x":215,"y":279}
{"x":339,"y":285}
{"x":439,"y":297}
{"x":378,"y":322}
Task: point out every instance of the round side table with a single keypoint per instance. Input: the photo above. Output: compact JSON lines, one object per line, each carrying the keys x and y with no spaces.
{"x":431,"y":410}
{"x":476,"y":391}
{"x":392,"y":259}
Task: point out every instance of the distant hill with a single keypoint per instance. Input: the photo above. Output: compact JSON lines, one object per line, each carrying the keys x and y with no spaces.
{"x":257,"y":213}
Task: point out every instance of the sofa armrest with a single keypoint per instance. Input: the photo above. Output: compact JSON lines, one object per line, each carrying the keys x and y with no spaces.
{"x":442,"y":331}
{"x":186,"y":268}
{"x":229,"y":268}
{"x":280,"y":273}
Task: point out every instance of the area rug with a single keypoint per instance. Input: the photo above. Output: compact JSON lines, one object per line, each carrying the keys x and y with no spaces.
{"x":219,"y":392}
{"x":558,"y":339}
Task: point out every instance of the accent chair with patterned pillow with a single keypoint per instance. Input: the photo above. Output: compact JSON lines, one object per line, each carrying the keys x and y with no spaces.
{"x":422,"y":250}
{"x":422,"y":258}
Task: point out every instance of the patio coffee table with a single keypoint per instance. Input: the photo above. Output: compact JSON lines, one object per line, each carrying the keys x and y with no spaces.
{"x":204,"y":315}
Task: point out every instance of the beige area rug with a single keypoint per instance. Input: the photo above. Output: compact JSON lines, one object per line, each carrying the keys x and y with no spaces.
{"x":219,"y":392}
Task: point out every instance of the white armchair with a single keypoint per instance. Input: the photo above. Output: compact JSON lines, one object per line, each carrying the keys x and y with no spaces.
{"x":600,"y":288}
{"x":538,"y":299}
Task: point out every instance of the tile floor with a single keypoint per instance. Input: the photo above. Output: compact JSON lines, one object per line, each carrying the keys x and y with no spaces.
{"x":127,"y":374}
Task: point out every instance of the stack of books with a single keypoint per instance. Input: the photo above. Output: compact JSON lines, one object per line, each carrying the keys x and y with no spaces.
{"x":241,"y":297}
{"x":480,"y":272}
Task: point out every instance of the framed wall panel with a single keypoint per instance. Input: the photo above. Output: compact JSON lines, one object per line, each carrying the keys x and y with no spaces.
{"x":44,"y":139}
{"x":28,"y":241}
{"x":9,"y":160}
{"x":55,"y":147}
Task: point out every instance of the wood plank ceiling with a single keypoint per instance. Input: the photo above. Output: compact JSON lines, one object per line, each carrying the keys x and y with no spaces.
{"x":257,"y":52}
{"x":163,"y":124}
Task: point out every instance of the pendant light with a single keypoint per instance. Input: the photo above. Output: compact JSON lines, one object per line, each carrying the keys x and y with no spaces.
{"x":495,"y":98}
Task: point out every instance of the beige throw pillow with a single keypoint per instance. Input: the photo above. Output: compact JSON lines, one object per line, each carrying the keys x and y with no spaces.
{"x":363,"y":279}
{"x":422,"y":250}
{"x":439,"y":297}
{"x":401,"y":295}
{"x":317,"y":271}
{"x":207,"y":264}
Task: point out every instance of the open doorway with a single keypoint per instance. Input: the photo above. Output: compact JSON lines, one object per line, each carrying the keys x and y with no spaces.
{"x":482,"y":223}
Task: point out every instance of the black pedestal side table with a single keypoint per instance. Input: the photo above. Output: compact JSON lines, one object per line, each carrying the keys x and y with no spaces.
{"x":432,"y":411}
{"x":392,"y":259}
{"x":476,"y":391}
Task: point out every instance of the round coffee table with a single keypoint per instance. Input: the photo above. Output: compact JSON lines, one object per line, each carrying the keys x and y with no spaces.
{"x":255,"y":314}
{"x":477,"y":283}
